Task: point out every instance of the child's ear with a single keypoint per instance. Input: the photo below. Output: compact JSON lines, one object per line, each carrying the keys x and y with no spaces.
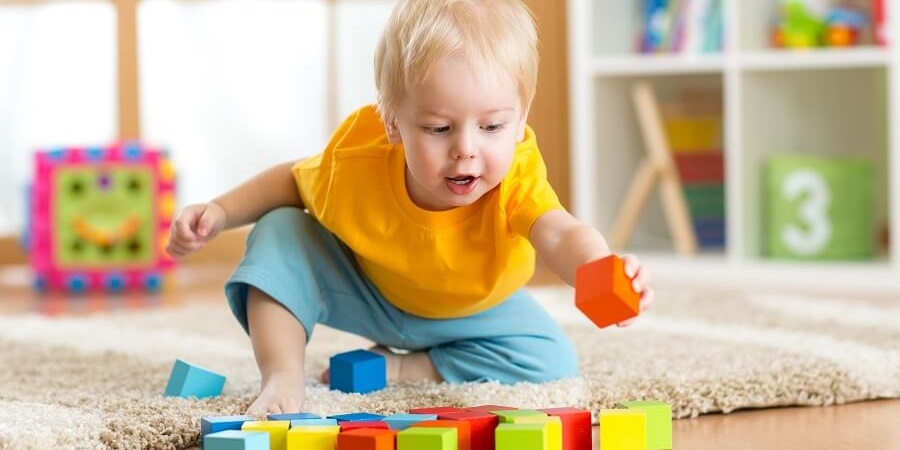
{"x":393,"y":132}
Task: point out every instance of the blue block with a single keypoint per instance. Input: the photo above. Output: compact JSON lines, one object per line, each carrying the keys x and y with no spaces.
{"x":236,"y":440}
{"x":214,"y":424}
{"x":404,"y":421}
{"x":188,"y":380}
{"x":313,"y":423}
{"x":292,"y":416}
{"x":356,"y":417}
{"x":358,"y":371}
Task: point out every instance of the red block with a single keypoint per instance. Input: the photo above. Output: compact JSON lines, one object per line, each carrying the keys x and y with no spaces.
{"x":348,"y":425}
{"x":367,"y":439}
{"x":603,"y":292}
{"x":463,"y":430}
{"x":436,"y":410}
{"x":482,"y":425}
{"x":576,"y":427}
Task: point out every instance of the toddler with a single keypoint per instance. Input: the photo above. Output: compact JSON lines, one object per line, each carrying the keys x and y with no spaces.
{"x":418,"y":225}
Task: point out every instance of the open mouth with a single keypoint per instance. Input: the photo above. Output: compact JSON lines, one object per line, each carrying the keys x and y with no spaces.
{"x":462,"y":185}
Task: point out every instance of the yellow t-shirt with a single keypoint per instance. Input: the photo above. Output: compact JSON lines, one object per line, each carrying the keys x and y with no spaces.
{"x":435,"y":264}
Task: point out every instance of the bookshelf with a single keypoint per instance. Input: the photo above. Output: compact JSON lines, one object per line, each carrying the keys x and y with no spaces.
{"x":819,"y":101}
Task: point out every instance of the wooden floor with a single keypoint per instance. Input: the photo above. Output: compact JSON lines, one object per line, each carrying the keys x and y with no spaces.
{"x":871,"y":425}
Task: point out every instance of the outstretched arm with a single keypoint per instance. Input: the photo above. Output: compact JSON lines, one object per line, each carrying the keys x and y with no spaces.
{"x":272,"y":188}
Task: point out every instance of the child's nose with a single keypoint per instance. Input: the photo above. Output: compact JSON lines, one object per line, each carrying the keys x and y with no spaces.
{"x":464,"y":147}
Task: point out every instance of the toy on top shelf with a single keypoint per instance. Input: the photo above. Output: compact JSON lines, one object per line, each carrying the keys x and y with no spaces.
{"x":100,"y":218}
{"x":812,"y":23}
{"x":603,"y":292}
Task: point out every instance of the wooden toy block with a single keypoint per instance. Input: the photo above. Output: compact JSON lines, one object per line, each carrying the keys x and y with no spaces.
{"x":236,"y":440}
{"x":482,"y":427}
{"x":522,"y":436}
{"x":488,"y":408}
{"x":623,"y":429}
{"x":367,"y":439}
{"x":603,"y":292}
{"x":359,"y":371}
{"x":349,"y":425}
{"x":314,"y":423}
{"x":312,"y":438}
{"x":659,"y":422}
{"x":277,"y":430}
{"x":436,"y":410}
{"x":190,"y":380}
{"x":576,"y":427}
{"x":463,"y":430}
{"x":427,"y":438}
{"x":214,"y":424}
{"x":292,"y":416}
{"x":404,"y":421}
{"x":357,"y":417}
{"x":554,"y":429}
{"x":512,"y":415}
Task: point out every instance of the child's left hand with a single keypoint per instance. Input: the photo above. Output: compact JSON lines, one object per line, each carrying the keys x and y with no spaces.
{"x":640,"y":279}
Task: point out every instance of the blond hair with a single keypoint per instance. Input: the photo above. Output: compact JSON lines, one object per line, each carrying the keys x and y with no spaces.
{"x":497,"y":36}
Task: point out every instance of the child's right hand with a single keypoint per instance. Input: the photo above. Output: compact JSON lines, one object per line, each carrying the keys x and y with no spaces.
{"x":194,"y":226}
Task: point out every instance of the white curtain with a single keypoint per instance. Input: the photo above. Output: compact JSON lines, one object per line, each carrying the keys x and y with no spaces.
{"x":229,"y":87}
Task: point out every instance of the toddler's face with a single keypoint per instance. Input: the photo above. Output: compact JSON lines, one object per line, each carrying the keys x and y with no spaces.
{"x":459,"y":133}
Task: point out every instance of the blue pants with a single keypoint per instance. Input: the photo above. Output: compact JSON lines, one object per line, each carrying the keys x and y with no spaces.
{"x":293,"y":259}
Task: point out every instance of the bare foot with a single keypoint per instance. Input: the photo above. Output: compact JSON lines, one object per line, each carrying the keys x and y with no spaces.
{"x":280,"y":394}
{"x":413,"y":366}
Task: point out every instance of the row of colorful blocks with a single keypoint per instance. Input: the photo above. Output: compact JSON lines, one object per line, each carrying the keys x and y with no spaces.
{"x":641,"y":425}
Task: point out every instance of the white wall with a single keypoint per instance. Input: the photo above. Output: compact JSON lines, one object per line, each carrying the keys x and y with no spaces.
{"x":228,"y":86}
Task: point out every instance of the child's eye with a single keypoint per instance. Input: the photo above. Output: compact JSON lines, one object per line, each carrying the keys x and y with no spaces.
{"x":437,"y":130}
{"x":493,"y":128}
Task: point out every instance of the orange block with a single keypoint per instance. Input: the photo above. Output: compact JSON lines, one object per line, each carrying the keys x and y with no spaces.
{"x":603,"y":292}
{"x":463,"y":431}
{"x":367,"y":439}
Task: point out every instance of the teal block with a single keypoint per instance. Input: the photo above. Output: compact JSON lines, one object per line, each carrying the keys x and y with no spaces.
{"x":292,"y":416}
{"x":236,"y":440}
{"x":313,"y":423}
{"x":819,"y":208}
{"x":427,"y":438}
{"x":404,"y":421}
{"x":659,"y":422}
{"x":214,"y":424}
{"x":521,"y":436}
{"x":189,"y":380}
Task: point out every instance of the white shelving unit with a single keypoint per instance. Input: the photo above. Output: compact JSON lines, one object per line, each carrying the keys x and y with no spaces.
{"x":821,"y":101}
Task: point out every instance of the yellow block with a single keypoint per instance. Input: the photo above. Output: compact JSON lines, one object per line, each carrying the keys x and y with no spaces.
{"x":553,"y":425}
{"x":313,"y":438}
{"x":277,"y":430}
{"x":694,"y":134}
{"x":623,"y":429}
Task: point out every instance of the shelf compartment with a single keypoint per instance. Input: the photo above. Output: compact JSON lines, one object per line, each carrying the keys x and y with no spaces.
{"x":809,"y":113}
{"x":618,"y":150}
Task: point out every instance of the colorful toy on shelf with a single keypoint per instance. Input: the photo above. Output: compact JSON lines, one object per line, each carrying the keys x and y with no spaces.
{"x":99,"y":218}
{"x":843,"y":27}
{"x":603,"y":292}
{"x":801,"y":24}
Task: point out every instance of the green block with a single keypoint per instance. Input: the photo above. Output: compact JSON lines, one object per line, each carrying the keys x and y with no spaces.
{"x":819,"y":207}
{"x":521,"y":436}
{"x":553,"y":426}
{"x":427,"y":438}
{"x":510,"y":416}
{"x":705,"y":199}
{"x":659,"y":422}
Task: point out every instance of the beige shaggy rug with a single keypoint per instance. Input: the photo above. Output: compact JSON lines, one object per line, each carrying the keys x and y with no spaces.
{"x":95,"y":381}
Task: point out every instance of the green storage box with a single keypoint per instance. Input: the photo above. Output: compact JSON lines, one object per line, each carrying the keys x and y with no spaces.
{"x":819,"y":208}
